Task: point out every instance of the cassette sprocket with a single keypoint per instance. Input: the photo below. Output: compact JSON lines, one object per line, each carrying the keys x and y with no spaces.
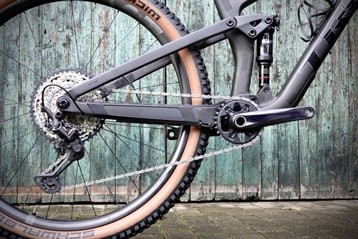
{"x":46,"y":94}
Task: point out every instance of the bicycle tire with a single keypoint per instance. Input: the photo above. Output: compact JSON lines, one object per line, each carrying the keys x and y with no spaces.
{"x":157,"y":198}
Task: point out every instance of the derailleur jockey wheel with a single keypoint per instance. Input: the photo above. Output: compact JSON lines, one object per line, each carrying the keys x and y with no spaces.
{"x":227,"y":123}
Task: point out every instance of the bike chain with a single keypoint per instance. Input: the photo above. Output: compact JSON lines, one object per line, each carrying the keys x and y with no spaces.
{"x":164,"y":166}
{"x":159,"y":167}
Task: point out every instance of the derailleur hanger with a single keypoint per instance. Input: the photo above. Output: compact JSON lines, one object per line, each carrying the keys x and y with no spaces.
{"x":58,"y":127}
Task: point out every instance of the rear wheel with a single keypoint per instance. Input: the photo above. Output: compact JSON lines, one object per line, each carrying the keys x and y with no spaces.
{"x":50,"y":46}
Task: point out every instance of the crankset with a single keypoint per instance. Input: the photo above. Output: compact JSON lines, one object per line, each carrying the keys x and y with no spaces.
{"x":271,"y":117}
{"x":241,"y":121}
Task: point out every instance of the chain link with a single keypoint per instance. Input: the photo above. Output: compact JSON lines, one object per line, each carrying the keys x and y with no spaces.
{"x":154,"y":93}
{"x":176,"y":163}
{"x":51,"y":167}
{"x":159,"y":167}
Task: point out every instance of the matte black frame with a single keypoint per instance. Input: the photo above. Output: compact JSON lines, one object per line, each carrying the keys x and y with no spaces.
{"x":305,"y":70}
{"x":237,"y":29}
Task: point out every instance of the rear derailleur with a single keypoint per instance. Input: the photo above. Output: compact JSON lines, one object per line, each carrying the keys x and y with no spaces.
{"x":70,"y":148}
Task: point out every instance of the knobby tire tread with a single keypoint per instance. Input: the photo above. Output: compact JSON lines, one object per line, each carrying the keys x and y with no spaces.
{"x":194,"y":166}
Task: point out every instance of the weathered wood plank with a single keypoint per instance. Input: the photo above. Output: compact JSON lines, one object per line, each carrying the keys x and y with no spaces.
{"x":340,"y":164}
{"x":294,"y":158}
{"x":203,"y":188}
{"x":312,"y":159}
{"x":352,"y":54}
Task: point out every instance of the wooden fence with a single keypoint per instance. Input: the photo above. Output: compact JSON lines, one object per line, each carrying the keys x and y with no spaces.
{"x":314,"y":159}
{"x":306,"y":160}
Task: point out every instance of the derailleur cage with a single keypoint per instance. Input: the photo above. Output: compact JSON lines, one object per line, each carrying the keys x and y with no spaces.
{"x":49,"y":181}
{"x":70,"y":147}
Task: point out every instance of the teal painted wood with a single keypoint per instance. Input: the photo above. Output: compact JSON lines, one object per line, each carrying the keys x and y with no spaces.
{"x":311,"y":159}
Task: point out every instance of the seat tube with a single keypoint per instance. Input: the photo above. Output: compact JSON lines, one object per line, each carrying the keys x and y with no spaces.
{"x":242,"y":47}
{"x":232,"y":8}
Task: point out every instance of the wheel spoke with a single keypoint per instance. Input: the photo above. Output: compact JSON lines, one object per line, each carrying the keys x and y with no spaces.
{"x":102,"y":39}
{"x":22,"y":161}
{"x":59,"y":45}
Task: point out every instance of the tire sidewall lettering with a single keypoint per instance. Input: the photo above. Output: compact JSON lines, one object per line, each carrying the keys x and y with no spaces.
{"x":31,"y":232}
{"x":146,"y":8}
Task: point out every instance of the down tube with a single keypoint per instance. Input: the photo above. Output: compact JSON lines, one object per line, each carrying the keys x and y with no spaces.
{"x":305,"y":70}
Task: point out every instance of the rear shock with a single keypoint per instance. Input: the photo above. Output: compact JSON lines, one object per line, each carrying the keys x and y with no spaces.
{"x":264,"y":57}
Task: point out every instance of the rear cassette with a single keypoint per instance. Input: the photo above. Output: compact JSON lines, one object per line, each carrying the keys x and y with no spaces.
{"x":46,"y":95}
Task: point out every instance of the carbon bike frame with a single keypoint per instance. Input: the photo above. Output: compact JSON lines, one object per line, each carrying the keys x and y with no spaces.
{"x":241,"y":32}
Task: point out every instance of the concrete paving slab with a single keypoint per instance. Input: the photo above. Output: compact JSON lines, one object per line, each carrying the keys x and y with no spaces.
{"x":257,"y":220}
{"x":302,"y":219}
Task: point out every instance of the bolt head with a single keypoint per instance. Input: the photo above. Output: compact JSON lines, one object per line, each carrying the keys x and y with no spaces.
{"x":252,"y":32}
{"x":63,"y":103}
{"x":230,"y":22}
{"x":268,"y":20}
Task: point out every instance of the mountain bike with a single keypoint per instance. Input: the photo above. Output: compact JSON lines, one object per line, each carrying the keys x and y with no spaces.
{"x":109,"y":101}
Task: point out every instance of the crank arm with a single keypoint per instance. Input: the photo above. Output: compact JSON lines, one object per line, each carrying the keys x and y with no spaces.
{"x":259,"y":119}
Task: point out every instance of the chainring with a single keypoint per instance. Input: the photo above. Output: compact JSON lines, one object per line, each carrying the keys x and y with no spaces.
{"x":46,"y":94}
{"x":225,"y":125}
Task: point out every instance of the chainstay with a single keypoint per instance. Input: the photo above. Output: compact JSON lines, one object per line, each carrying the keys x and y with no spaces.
{"x":176,"y":163}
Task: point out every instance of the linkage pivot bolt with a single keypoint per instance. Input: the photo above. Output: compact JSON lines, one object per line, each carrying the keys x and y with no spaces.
{"x":252,"y":32}
{"x":230,"y":22}
{"x":268,"y":20}
{"x":63,"y":102}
